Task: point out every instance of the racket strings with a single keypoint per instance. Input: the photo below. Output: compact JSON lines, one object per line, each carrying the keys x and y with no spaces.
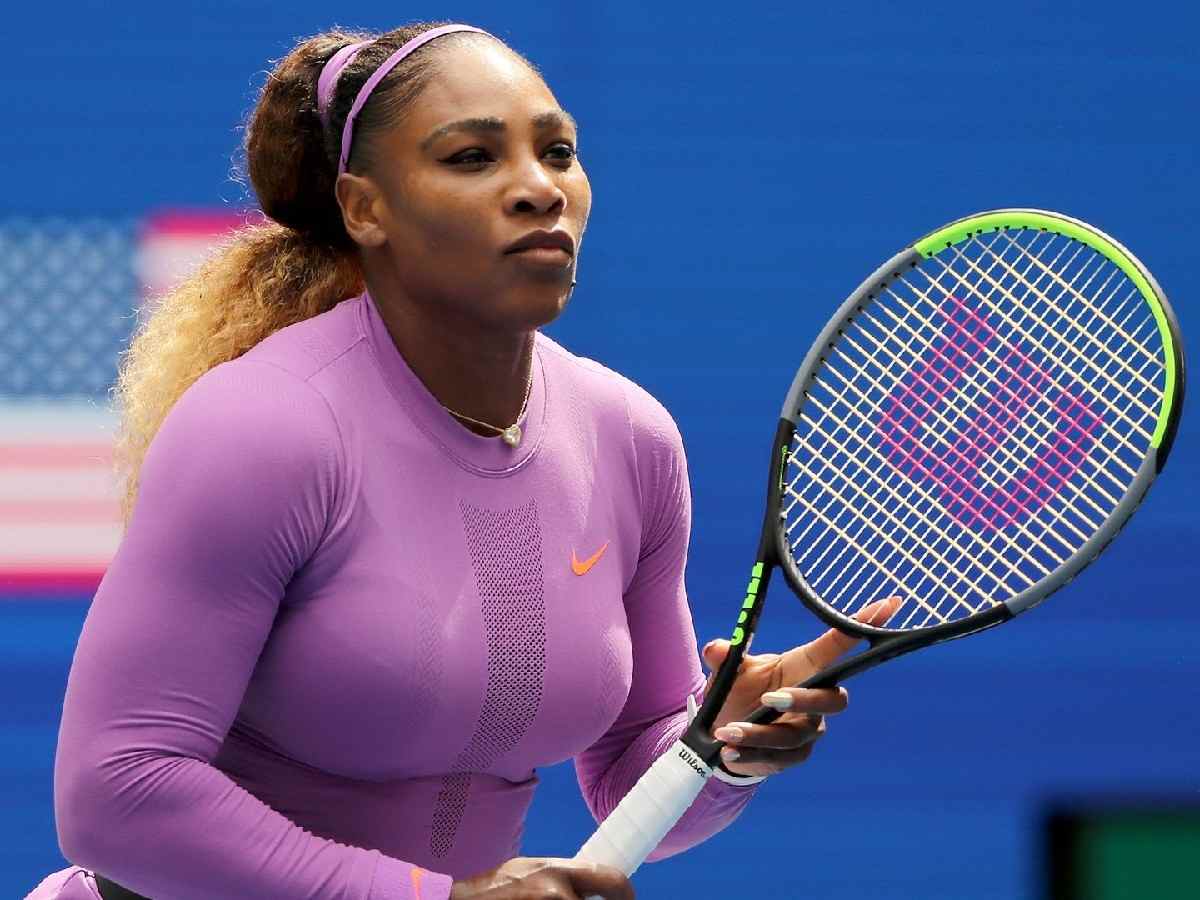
{"x":1092,"y":482}
{"x":1062,"y":351}
{"x":1091,"y":383}
{"x":1081,"y":330}
{"x":1034,"y":410}
{"x":1062,"y":340}
{"x":871,"y":356}
{"x":1060,"y":517}
{"x":990,"y":422}
{"x":881,"y":565}
{"x":1136,"y":423}
{"x":961,"y":563}
{"x":1081,"y":297}
{"x":828,"y":469}
{"x":879,"y":459}
{"x":1060,"y":457}
{"x":959,"y":560}
{"x":943,"y":436}
{"x":1083,"y":333}
{"x":1117,"y":482}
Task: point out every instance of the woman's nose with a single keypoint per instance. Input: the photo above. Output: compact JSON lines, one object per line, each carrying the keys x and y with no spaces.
{"x":535,"y":190}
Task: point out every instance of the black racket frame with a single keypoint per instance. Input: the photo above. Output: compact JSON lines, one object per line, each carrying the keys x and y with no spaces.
{"x":774,"y":552}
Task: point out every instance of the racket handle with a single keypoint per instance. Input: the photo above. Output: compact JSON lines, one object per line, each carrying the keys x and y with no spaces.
{"x":645,"y":815}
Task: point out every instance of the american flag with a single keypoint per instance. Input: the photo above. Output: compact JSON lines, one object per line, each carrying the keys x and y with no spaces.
{"x":69,"y":295}
{"x":59,"y":512}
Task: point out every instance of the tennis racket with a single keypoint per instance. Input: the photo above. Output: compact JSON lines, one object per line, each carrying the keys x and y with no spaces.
{"x":970,"y":430}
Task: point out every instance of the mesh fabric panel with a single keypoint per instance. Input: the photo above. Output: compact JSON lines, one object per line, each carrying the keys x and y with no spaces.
{"x":506,"y":554}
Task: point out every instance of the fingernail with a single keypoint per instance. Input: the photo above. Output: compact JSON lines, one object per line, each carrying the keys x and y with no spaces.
{"x":729,"y":733}
{"x":778,"y":699}
{"x":709,"y":646}
{"x":730,"y":755}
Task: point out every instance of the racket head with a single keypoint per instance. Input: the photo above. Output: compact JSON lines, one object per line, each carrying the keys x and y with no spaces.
{"x":999,"y":396}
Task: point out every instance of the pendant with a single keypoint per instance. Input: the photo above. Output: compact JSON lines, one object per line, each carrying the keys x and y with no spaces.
{"x":511,"y":435}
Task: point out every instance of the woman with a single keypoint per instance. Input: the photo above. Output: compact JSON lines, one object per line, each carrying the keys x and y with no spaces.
{"x":392,"y":549}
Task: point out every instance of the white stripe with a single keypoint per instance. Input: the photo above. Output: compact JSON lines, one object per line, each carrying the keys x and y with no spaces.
{"x":57,"y":484}
{"x":63,"y":544}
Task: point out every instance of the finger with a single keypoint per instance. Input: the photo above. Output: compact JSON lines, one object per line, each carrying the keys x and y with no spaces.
{"x":767,"y":762}
{"x":801,"y":663}
{"x":805,"y":661}
{"x":597,"y":880}
{"x":714,"y":653}
{"x":795,"y":731}
{"x":826,"y":701}
{"x":880,"y":611}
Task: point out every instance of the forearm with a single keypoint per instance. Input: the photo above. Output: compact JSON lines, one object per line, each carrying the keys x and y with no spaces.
{"x":176,"y":826}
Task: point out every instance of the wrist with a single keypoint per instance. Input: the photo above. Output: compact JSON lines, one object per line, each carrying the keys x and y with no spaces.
{"x":719,"y":771}
{"x":723,"y":774}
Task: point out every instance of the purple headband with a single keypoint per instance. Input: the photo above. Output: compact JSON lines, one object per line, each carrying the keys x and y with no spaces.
{"x":341,"y":59}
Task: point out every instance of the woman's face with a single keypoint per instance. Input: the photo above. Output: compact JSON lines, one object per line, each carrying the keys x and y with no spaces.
{"x":483,"y":159}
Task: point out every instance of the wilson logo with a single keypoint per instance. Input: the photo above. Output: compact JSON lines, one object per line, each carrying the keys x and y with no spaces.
{"x":690,"y":758}
{"x":965,"y":458}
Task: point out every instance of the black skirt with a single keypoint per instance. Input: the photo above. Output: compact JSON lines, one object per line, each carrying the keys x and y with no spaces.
{"x":110,"y":890}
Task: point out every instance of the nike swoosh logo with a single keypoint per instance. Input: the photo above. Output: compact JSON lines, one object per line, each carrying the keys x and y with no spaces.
{"x":581,"y":568}
{"x":416,"y":874}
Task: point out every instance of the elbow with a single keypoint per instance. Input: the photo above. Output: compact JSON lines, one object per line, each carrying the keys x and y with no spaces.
{"x":78,"y":819}
{"x":89,"y":814}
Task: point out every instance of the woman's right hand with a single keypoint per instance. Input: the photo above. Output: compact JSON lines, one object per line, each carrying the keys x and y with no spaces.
{"x":544,"y":878}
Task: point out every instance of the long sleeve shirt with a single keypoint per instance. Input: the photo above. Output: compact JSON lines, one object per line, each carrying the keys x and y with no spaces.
{"x":342,"y":631}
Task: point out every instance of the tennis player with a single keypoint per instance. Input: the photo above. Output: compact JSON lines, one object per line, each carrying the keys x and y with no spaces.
{"x":391,"y":549}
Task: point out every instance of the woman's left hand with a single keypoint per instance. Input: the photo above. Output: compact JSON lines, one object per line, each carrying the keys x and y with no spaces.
{"x":766,"y":679}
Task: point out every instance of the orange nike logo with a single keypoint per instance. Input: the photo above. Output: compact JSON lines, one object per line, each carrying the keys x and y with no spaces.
{"x":581,"y":568}
{"x":416,"y":874}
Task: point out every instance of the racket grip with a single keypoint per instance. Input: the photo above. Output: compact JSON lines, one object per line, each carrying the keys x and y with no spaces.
{"x":645,"y":815}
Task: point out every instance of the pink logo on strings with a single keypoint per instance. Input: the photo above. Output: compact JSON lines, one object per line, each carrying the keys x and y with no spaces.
{"x":950,"y":460}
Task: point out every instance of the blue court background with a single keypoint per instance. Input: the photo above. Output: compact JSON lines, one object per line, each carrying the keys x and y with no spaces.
{"x":751,"y":163}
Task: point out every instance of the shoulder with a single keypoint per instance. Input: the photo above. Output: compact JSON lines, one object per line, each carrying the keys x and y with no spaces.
{"x":263,"y":416}
{"x":272,"y":395}
{"x":305,"y":348}
{"x":249,"y":428}
{"x":608,"y":394}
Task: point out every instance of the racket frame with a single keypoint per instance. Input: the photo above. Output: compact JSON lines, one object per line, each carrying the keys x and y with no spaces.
{"x":775,"y":552}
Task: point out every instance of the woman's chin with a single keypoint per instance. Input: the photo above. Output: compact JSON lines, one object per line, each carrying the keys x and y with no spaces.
{"x":535,"y":309}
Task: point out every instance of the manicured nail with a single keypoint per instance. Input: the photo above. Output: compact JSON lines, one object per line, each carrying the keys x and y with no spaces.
{"x":729,"y":733}
{"x":778,"y":699}
{"x":730,"y":755}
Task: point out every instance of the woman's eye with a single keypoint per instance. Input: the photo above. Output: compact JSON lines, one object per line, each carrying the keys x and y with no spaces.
{"x":562,"y":151}
{"x":470,"y":157}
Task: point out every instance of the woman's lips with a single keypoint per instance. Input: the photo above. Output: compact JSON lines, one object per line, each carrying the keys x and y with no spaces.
{"x":543,"y":256}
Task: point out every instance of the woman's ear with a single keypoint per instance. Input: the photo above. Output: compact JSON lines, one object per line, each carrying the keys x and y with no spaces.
{"x":362,"y":209}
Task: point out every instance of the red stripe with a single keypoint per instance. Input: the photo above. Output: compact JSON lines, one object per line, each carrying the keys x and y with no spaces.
{"x":66,"y":581}
{"x":55,"y":456}
{"x":197,"y":222}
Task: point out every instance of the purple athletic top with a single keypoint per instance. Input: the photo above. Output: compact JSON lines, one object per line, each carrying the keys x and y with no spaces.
{"x":342,"y":631}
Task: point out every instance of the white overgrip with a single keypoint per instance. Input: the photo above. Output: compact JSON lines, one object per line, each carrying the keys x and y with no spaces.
{"x":645,"y":815}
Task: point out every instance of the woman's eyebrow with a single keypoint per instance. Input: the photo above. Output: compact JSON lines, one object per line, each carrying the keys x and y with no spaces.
{"x":555,"y":118}
{"x":486,"y":124}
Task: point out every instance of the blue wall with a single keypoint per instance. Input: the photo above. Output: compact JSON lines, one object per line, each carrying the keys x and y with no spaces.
{"x":751,"y":164}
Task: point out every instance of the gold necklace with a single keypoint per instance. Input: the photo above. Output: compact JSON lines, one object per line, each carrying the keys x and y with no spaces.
{"x":512,"y":434}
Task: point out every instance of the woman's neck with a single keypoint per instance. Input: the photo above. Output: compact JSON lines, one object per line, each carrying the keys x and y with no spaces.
{"x":471,"y":370}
